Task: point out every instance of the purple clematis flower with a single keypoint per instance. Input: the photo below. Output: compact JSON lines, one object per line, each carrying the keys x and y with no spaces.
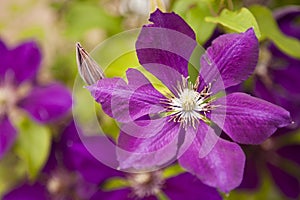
{"x":277,"y":159}
{"x":73,"y":173}
{"x":180,"y":123}
{"x":278,"y":155}
{"x":280,"y":83}
{"x":19,"y":90}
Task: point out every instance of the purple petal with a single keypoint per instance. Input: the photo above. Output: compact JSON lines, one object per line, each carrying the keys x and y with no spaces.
{"x":148,"y":144}
{"x":230,"y":60}
{"x":187,"y":186}
{"x":249,"y":120}
{"x":24,"y":61}
{"x":279,"y":96}
{"x":290,"y":72}
{"x":3,"y":48}
{"x":127,"y":102}
{"x":77,"y":155}
{"x":28,"y":192}
{"x":288,"y":184}
{"x":290,"y":152}
{"x":52,"y":162}
{"x":287,"y":20}
{"x":8,"y":135}
{"x":47,"y":103}
{"x":222,"y":167}
{"x":251,"y":179}
{"x":164,"y":48}
{"x":121,"y":194}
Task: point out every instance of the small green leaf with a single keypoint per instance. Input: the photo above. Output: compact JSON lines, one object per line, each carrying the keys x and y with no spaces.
{"x":269,"y":29}
{"x":114,"y":184}
{"x":172,"y":171}
{"x":12,"y":171}
{"x":32,"y":146}
{"x":238,"y":21}
{"x":195,"y":17}
{"x":181,"y":7}
{"x":162,"y":196}
{"x":194,"y":13}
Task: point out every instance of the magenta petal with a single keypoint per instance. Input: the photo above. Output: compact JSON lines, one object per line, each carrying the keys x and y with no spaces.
{"x":222,"y":167}
{"x":79,"y":153}
{"x":28,"y":192}
{"x":290,"y":73}
{"x":25,"y":61}
{"x":8,"y":135}
{"x":2,"y":47}
{"x":121,"y":194}
{"x":288,"y":184}
{"x":144,"y":149}
{"x":187,"y":186}
{"x":251,"y":179}
{"x":47,"y":103}
{"x":290,"y":152}
{"x":287,"y":20}
{"x":249,"y":120}
{"x":164,"y":47}
{"x":230,"y":60}
{"x":127,"y":102}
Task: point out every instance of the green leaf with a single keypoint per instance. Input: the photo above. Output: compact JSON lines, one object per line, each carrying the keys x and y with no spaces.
{"x":33,"y":146}
{"x":85,"y":16}
{"x":172,"y":171}
{"x":195,"y":17}
{"x":194,"y":13}
{"x":12,"y":171}
{"x":238,"y":21}
{"x":181,"y":7}
{"x":114,"y":184}
{"x":270,"y":30}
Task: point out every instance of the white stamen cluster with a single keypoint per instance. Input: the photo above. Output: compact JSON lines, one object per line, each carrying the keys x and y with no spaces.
{"x":188,"y":106}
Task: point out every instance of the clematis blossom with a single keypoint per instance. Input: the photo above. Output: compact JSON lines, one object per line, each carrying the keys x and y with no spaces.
{"x":277,"y":85}
{"x":160,"y":126}
{"x":19,"y":91}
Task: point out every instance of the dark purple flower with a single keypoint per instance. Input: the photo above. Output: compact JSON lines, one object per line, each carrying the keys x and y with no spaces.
{"x":18,"y":89}
{"x":158,"y":127}
{"x":71,"y":172}
{"x":278,"y":83}
{"x":279,"y":161}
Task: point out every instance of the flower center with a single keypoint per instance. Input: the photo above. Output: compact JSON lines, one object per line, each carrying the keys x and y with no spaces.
{"x":188,"y":106}
{"x":146,"y":184}
{"x":8,"y":98}
{"x":60,"y":182}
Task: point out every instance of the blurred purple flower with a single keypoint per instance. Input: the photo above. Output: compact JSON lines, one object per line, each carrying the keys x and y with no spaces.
{"x":278,"y":83}
{"x":73,"y":173}
{"x":164,"y":49}
{"x":279,"y":161}
{"x":19,"y":90}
